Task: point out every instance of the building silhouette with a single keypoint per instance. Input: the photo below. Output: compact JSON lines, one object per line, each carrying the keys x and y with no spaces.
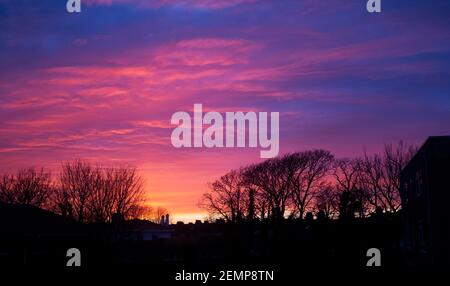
{"x":425,"y":194}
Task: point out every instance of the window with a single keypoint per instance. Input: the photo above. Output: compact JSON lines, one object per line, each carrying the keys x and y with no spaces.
{"x":405,"y":192}
{"x":421,"y":242}
{"x":419,"y":183}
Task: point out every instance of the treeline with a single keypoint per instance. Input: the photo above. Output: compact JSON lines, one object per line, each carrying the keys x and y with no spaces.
{"x":81,"y":191}
{"x":301,"y":184}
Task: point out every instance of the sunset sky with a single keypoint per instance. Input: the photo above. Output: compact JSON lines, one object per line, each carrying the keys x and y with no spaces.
{"x":102,"y":85}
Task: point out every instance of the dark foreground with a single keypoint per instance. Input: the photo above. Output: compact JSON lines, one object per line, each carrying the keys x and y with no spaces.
{"x":33,"y":240}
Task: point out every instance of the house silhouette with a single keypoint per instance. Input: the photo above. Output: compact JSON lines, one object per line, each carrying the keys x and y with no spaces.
{"x":425,"y":194}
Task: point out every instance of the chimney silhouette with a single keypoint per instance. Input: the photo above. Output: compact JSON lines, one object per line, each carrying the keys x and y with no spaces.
{"x":167,"y":219}
{"x":162,"y":220}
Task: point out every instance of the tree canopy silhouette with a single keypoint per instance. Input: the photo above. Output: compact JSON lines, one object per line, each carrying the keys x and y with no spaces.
{"x":291,"y":185}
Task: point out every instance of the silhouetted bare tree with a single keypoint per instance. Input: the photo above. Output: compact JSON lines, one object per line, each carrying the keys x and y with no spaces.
{"x":271,"y":181}
{"x":27,"y":187}
{"x":128,"y":189}
{"x":372,"y":179}
{"x":380,"y":175}
{"x":258,"y":202}
{"x":270,"y":189}
{"x":77,"y":180}
{"x":311,"y":169}
{"x":61,"y":202}
{"x":345,"y":172}
{"x":89,"y":193}
{"x":7,"y":194}
{"x":395,"y":159}
{"x":347,"y":175}
{"x":226,"y":197}
{"x":327,"y":201}
{"x":102,"y":198}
